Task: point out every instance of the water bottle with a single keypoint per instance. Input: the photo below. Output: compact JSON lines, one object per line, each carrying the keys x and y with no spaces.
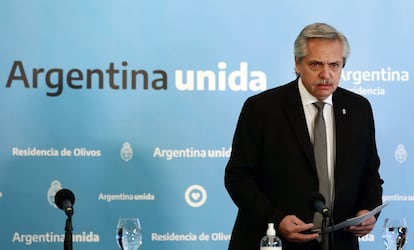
{"x":270,"y":241}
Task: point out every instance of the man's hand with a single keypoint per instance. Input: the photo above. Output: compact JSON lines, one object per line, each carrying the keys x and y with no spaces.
{"x":292,"y":229}
{"x":365,"y":227}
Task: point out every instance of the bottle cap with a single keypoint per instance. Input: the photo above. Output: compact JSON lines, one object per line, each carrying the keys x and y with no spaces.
{"x":270,"y":230}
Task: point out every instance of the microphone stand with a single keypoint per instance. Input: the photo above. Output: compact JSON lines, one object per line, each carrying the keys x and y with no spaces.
{"x":326,"y":223}
{"x":331,"y":232}
{"x":324,"y":230}
{"x":68,"y":243}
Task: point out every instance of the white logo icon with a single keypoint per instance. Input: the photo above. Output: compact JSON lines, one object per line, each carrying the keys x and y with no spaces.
{"x":195,"y":196}
{"x":400,"y":153}
{"x":54,"y":187}
{"x":126,"y":151}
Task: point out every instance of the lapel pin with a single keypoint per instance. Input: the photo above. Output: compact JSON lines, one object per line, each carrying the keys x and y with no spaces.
{"x":344,"y":111}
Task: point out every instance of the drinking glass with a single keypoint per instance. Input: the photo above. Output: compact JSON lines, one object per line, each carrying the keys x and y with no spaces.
{"x":394,"y":233}
{"x":129,"y":233}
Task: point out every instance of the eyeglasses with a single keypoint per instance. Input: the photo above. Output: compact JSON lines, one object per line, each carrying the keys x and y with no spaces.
{"x":317,"y":65}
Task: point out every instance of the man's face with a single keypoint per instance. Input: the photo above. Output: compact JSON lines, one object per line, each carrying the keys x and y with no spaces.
{"x":321,"y":68}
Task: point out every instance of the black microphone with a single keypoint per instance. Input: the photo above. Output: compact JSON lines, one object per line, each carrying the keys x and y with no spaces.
{"x":317,"y":203}
{"x":65,"y":199}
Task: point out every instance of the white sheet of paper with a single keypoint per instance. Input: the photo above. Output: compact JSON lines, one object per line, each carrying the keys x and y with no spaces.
{"x":357,"y":220}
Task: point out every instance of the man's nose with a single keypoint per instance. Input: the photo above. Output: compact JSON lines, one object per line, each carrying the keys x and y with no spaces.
{"x":325,"y":71}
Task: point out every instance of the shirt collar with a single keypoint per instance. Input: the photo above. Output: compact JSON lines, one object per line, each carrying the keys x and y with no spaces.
{"x":307,"y":98}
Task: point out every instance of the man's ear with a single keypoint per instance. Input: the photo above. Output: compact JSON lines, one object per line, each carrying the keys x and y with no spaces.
{"x":297,"y":66}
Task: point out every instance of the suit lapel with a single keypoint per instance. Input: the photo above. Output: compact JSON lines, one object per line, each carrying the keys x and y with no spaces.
{"x":342,"y":128}
{"x":296,"y":116}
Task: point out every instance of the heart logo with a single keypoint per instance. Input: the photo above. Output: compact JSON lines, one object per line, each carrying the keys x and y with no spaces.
{"x":195,"y":195}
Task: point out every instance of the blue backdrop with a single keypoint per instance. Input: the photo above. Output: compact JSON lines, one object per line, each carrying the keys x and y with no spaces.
{"x":132,"y":106}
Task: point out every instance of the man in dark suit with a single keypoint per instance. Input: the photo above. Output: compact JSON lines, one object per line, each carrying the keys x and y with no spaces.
{"x":272,"y":171}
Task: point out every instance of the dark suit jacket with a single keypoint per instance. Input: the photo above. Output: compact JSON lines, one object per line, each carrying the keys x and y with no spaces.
{"x":271,"y":171}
